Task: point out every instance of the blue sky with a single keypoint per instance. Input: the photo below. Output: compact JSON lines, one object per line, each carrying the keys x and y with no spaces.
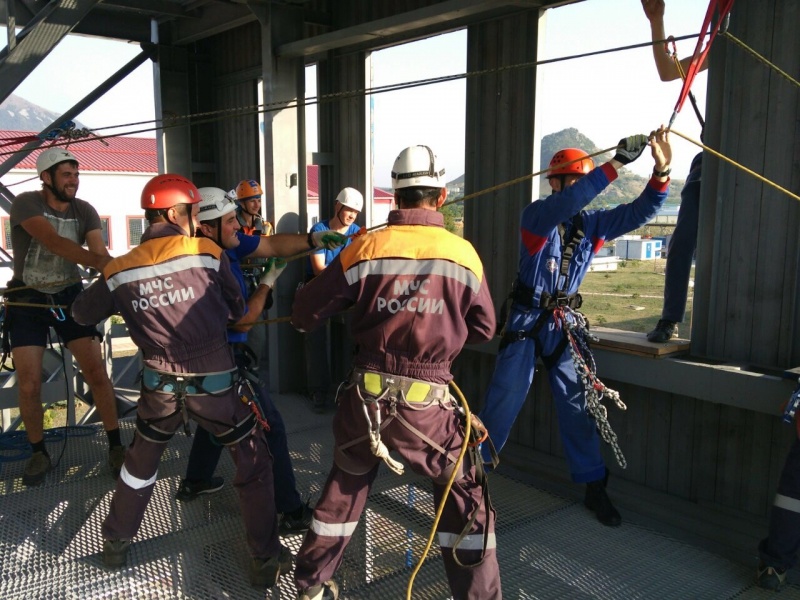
{"x":605,"y":97}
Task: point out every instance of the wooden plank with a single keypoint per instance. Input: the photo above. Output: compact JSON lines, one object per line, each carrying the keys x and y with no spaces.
{"x":681,"y":446}
{"x":729,"y":456}
{"x":704,"y":463}
{"x":631,"y":342}
{"x":658,"y":439}
{"x":755,"y":469}
{"x":631,"y":429}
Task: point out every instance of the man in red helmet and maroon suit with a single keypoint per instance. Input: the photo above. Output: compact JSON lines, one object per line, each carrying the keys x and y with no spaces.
{"x":558,"y":242}
{"x":177,"y":294}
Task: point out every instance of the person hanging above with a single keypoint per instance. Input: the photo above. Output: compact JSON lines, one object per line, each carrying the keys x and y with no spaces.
{"x":558,"y":240}
{"x":682,"y":244}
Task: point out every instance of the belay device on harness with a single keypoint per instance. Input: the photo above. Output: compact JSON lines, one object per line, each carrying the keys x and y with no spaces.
{"x":563,"y":308}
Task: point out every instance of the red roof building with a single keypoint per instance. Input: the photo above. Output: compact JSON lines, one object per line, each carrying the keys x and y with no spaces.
{"x":118,"y":154}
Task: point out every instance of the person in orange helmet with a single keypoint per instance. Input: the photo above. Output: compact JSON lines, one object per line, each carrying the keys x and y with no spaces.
{"x":558,"y":240}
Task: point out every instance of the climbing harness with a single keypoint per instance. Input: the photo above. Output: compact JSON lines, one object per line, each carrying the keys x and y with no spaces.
{"x":248,"y":380}
{"x":378,"y":391}
{"x":563,"y":308}
{"x":181,"y":385}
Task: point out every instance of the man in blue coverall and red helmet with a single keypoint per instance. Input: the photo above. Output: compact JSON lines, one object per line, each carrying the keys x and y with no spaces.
{"x":558,"y":242}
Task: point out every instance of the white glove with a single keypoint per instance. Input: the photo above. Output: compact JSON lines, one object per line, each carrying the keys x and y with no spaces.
{"x":326,"y":239}
{"x":272,"y":271}
{"x":630,"y":148}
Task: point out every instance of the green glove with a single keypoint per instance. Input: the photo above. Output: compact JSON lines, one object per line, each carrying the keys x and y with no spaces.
{"x":326,"y":239}
{"x":272,"y":270}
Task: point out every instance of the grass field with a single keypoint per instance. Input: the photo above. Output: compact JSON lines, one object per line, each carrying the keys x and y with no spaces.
{"x":629,"y":298}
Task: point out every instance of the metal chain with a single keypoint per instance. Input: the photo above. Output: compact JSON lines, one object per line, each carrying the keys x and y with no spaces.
{"x":578,"y":336}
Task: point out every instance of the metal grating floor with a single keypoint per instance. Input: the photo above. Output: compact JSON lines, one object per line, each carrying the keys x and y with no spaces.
{"x":549,"y":547}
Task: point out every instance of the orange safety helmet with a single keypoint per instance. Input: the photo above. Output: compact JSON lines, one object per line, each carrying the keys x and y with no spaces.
{"x":248,"y":189}
{"x":582,"y":165}
{"x":165,"y":191}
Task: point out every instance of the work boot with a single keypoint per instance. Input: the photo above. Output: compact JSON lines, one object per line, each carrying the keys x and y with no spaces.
{"x":116,"y":458}
{"x":36,"y":469}
{"x":663,"y":332}
{"x":323,"y":591}
{"x":291,"y":523}
{"x":189,"y":490}
{"x":115,"y":553}
{"x":318,"y":402}
{"x":770,"y":578}
{"x":265,"y":573}
{"x":598,"y":502}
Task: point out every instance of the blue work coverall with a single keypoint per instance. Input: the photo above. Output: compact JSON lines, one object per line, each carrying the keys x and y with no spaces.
{"x":541,"y":248}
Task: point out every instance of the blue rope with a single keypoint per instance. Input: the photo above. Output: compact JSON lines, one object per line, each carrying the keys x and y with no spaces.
{"x":16,"y":442}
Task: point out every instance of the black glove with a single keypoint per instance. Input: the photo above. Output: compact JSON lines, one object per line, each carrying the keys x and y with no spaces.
{"x":630,"y":148}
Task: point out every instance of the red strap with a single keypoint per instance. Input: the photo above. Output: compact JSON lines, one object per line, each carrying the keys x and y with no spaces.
{"x":700,"y":53}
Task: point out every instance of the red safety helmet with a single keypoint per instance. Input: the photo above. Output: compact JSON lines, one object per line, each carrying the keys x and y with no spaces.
{"x":582,"y":165}
{"x":165,"y":191}
{"x":248,"y":189}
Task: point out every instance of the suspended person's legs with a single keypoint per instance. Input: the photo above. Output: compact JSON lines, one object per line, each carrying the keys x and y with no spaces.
{"x":581,"y":440}
{"x":680,"y":255}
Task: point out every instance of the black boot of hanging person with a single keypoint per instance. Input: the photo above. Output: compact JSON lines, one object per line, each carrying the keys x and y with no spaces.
{"x":598,"y":502}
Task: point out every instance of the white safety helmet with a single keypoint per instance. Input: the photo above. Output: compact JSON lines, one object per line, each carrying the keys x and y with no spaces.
{"x":417,"y":166}
{"x":214,"y":203}
{"x":351,"y":198}
{"x":51,"y":157}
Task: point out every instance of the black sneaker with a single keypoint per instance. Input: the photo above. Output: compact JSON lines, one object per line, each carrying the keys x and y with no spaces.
{"x":318,"y":402}
{"x":324,"y":591}
{"x":599,"y":503}
{"x":37,"y":468}
{"x":770,"y":578}
{"x":664,"y":332}
{"x":265,"y":573}
{"x":115,"y":553}
{"x":190,"y":490}
{"x":299,"y":524}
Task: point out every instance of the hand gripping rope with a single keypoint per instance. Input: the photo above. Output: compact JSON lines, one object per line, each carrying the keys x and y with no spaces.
{"x":578,"y":336}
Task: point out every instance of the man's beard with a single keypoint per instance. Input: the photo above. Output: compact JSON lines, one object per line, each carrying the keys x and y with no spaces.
{"x":58,"y":193}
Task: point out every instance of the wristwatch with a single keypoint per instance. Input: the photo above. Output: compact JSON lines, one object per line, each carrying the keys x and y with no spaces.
{"x":657,"y":173}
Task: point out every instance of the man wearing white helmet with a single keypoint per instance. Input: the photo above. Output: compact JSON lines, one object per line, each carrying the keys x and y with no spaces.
{"x":349,"y":203}
{"x":418,"y":293}
{"x":48,"y":231}
{"x":218,"y":222}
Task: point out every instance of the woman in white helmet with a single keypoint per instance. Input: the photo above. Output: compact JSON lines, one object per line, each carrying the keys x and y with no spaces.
{"x":349,"y":203}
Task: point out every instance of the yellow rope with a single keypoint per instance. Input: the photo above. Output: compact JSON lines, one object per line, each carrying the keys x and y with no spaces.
{"x":440,"y":509}
{"x":736,"y":164}
{"x":759,"y":57}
